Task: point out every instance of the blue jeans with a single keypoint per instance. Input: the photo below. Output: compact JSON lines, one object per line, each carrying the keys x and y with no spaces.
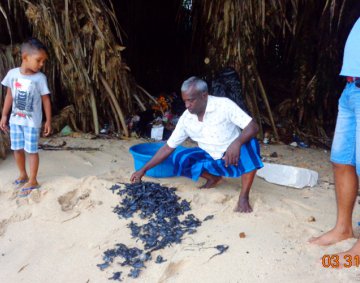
{"x":346,"y":144}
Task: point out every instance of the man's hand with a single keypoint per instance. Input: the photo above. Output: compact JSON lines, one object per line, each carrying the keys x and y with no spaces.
{"x":47,"y":128}
{"x":136,"y":177}
{"x":232,"y":154}
{"x":3,"y":124}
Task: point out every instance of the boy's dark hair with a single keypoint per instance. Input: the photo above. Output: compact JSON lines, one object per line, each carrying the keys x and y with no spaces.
{"x":33,"y":44}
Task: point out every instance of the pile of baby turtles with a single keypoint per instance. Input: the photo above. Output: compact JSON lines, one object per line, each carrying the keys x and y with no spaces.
{"x":161,"y":208}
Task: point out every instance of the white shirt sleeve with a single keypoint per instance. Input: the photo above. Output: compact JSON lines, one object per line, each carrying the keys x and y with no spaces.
{"x":179,"y":134}
{"x":237,"y":115}
{"x":6,"y":81}
{"x":43,"y":86}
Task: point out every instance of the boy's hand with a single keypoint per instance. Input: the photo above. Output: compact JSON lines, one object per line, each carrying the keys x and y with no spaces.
{"x":47,"y":128}
{"x":3,"y":124}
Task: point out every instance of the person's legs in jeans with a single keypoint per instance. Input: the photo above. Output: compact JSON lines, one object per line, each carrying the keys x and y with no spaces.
{"x":345,"y":147}
{"x":355,"y":250}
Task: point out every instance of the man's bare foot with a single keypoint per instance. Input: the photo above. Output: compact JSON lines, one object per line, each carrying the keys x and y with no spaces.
{"x":243,"y":205}
{"x":331,"y":237}
{"x":211,"y":182}
{"x":350,"y":258}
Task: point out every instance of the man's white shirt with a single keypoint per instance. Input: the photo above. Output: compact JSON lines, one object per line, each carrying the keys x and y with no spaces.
{"x":221,"y":125}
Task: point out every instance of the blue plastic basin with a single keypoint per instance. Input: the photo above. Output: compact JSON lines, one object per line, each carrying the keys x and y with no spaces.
{"x":143,"y":152}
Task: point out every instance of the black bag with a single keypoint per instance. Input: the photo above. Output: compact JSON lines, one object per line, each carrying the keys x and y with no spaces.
{"x":227,"y":84}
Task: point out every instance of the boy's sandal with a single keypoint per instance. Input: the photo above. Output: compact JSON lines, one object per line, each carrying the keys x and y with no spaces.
{"x":24,"y":192}
{"x":18,"y":182}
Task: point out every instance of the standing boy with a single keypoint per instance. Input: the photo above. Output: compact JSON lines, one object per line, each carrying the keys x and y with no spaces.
{"x":27,"y":91}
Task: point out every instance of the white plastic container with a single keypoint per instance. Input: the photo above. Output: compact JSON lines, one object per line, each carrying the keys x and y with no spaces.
{"x":157,"y":132}
{"x":288,"y":175}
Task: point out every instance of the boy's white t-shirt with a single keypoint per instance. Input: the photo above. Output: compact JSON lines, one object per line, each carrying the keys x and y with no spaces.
{"x":26,"y":92}
{"x":351,"y":61}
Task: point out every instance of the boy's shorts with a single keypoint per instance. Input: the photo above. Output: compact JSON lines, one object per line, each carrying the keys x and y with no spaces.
{"x":24,"y":137}
{"x":346,"y":144}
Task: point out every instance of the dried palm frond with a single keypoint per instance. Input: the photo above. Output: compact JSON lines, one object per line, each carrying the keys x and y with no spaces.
{"x":298,"y":41}
{"x":4,"y":144}
{"x":9,"y":58}
{"x":85,"y":46}
{"x":4,"y":14}
{"x":67,"y":116}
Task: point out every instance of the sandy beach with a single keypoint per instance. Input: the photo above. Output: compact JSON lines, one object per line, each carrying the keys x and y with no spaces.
{"x":59,"y":233}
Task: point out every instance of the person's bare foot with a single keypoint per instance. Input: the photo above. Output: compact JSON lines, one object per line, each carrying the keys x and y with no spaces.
{"x":331,"y":237}
{"x":211,"y":182}
{"x":243,"y":205}
{"x":348,"y":259}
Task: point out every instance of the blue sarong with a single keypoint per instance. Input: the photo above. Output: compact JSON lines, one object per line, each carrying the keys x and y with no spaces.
{"x":192,"y":162}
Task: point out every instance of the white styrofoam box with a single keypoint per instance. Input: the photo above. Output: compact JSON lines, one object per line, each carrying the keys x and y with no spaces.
{"x":286,"y":175}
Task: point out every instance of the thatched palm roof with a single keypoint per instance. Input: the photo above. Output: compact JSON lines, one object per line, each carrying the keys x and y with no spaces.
{"x":288,"y":54}
{"x":85,"y":58}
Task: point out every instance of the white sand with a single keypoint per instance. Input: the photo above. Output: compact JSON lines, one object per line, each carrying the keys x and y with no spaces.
{"x":59,"y":233}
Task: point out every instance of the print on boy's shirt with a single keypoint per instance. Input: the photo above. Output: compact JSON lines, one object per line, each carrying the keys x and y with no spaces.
{"x":23,"y":98}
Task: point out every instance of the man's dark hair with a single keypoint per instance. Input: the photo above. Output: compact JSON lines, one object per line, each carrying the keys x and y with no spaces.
{"x":33,"y":44}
